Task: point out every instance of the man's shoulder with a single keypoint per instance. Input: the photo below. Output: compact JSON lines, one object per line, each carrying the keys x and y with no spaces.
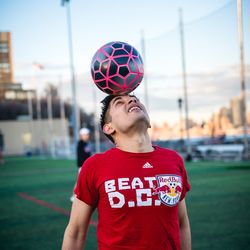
{"x":99,"y":160}
{"x":166,"y":150}
{"x":169,"y":153}
{"x":102,"y":155}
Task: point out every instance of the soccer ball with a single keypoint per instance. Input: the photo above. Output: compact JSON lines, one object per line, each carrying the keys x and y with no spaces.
{"x":117,"y":68}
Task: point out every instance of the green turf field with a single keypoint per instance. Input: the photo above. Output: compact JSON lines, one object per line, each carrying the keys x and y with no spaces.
{"x":35,"y":204}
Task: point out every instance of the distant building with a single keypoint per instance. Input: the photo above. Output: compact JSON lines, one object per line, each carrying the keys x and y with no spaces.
{"x":226,"y":112}
{"x":237,"y":111}
{"x":225,"y":119}
{"x":9,"y":90}
{"x":6,"y":65}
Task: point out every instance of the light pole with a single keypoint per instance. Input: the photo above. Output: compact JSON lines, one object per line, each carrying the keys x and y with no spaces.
{"x":30,"y":113}
{"x":62,"y":110}
{"x":38,"y":66}
{"x":242,"y":76}
{"x":180,"y":111}
{"x":97,"y":133}
{"x":184,"y":83}
{"x":73,"y":83}
{"x":145,"y":73}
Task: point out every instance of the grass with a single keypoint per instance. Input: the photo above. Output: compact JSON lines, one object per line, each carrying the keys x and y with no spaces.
{"x":218,"y":204}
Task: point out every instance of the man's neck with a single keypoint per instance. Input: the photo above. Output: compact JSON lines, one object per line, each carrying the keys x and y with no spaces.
{"x":136,"y":143}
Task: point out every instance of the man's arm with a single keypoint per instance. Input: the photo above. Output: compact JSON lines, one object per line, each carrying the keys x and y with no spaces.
{"x":76,"y":231}
{"x":185,"y":231}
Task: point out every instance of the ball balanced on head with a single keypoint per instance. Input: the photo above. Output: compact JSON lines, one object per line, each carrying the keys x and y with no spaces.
{"x":117,"y":68}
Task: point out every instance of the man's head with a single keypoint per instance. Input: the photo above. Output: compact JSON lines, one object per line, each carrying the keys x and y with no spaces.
{"x":84,"y":134}
{"x":104,"y":117}
{"x":120,"y":113}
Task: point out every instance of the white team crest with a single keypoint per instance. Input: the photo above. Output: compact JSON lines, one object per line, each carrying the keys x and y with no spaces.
{"x":169,"y":189}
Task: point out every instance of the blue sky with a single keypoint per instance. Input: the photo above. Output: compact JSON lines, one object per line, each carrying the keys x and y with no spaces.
{"x":39,"y":34}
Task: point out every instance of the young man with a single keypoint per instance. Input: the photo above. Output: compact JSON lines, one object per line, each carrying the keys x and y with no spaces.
{"x":83,"y":151}
{"x":83,"y":147}
{"x":138,"y":189}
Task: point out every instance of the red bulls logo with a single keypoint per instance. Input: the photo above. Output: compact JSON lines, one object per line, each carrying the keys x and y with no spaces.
{"x":169,"y":189}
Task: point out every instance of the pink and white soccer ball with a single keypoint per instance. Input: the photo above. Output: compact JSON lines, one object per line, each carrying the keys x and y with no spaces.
{"x":117,"y":68}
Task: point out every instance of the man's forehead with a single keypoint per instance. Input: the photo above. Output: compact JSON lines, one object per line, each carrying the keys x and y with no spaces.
{"x":118,"y":97}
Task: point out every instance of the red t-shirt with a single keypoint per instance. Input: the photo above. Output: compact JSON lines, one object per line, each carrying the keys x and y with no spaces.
{"x":137,"y":196}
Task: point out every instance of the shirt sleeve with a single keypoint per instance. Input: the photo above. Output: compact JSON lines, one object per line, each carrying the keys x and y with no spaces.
{"x":185,"y":183}
{"x":85,"y":189}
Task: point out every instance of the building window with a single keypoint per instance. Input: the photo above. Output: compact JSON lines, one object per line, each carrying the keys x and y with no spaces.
{"x":10,"y":95}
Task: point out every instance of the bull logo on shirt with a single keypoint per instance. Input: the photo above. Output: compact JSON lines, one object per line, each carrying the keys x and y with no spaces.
{"x":169,"y":189}
{"x":144,"y":191}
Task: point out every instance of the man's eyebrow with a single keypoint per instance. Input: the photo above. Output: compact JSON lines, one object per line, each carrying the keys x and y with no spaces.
{"x":116,"y":99}
{"x":134,"y":96}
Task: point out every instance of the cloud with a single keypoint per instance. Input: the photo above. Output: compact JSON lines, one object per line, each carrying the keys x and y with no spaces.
{"x":208,"y":91}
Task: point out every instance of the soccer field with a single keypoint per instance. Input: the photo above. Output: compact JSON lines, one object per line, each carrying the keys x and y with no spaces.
{"x":35,"y":205}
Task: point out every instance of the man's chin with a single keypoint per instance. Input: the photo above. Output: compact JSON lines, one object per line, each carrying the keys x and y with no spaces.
{"x":149,"y":124}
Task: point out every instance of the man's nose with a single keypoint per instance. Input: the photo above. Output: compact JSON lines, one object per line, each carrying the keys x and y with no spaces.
{"x":132,"y":99}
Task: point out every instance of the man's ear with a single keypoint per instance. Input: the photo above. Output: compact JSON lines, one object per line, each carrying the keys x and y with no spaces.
{"x":108,"y":129}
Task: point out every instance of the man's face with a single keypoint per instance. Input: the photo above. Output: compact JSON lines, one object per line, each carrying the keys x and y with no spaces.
{"x":84,"y":137}
{"x":127,"y":111}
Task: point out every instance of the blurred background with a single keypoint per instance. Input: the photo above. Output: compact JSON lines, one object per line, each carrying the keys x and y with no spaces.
{"x":196,"y":84}
{"x":196,"y":89}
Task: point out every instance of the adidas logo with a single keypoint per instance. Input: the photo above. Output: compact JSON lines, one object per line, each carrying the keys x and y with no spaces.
{"x":147,"y":165}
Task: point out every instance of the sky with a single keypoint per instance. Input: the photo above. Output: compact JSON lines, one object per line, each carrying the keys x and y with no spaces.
{"x":39,"y":34}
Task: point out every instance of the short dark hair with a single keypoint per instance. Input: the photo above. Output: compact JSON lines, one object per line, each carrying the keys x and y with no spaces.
{"x":103,"y":117}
